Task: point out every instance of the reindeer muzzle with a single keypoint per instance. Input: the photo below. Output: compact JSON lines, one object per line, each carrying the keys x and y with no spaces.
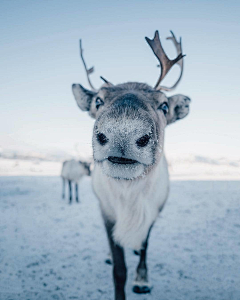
{"x":121,"y":160}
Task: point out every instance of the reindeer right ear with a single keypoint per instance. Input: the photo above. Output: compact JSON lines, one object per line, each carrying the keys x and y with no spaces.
{"x":178,"y":108}
{"x":83,"y":96}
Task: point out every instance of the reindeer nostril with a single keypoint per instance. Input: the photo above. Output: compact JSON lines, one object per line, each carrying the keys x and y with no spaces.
{"x":102,"y":139}
{"x":143,"y":141}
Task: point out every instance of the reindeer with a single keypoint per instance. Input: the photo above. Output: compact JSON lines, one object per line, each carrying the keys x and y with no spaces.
{"x":130,"y":176}
{"x":73,"y":171}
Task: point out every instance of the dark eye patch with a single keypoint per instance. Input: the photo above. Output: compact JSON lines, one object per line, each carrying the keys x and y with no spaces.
{"x":164,"y":107}
{"x":99,"y":102}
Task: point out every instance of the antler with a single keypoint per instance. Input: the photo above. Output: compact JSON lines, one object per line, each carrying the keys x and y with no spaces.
{"x":88,"y":71}
{"x":106,"y":81}
{"x":166,"y":63}
{"x":178,"y":46}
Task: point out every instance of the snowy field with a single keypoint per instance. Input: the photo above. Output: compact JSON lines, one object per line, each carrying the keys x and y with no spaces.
{"x":52,"y":250}
{"x":191,"y":167}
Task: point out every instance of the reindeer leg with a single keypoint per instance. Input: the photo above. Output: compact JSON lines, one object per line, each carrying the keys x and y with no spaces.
{"x":141,"y":284}
{"x":119,"y":267}
{"x":70,"y":191}
{"x":76,"y":191}
{"x":63,"y":190}
{"x":108,"y":260}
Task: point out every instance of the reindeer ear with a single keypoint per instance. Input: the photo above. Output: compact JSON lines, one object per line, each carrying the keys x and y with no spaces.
{"x":178,"y":108}
{"x":83,"y":96}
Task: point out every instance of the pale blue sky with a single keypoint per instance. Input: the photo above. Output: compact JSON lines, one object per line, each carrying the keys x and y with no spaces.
{"x":40,"y":60}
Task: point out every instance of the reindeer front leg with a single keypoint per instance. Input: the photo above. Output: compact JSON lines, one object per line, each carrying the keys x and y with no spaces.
{"x":76,"y":191}
{"x":141,"y":284}
{"x":119,"y":267}
{"x":70,"y":191}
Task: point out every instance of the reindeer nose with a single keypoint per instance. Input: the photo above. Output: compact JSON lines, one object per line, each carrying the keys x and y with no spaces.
{"x":143,"y":141}
{"x":102,"y":139}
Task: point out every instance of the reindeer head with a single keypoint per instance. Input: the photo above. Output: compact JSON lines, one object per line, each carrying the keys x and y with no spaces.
{"x":86,"y":166}
{"x":128,"y":133}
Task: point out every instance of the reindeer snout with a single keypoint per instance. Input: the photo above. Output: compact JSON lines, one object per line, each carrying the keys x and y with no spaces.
{"x":124,"y":136}
{"x":140,"y":142}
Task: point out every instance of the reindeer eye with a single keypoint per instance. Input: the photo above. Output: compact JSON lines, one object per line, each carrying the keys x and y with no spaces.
{"x":99,"y":102}
{"x":164,"y":107}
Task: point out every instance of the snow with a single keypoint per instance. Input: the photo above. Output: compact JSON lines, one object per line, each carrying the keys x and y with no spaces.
{"x":29,"y":167}
{"x":192,"y":167}
{"x":52,"y":250}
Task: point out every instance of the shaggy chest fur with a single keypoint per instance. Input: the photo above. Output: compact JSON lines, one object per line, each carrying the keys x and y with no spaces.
{"x":133,"y":205}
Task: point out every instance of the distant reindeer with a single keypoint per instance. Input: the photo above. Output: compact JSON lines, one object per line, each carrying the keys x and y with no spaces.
{"x":73,"y":171}
{"x":130,"y":175}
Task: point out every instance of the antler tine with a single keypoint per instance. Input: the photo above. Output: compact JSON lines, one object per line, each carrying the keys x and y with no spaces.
{"x":104,"y":79}
{"x":107,"y":83}
{"x":88,"y":71}
{"x":165,"y":63}
{"x":178,"y":46}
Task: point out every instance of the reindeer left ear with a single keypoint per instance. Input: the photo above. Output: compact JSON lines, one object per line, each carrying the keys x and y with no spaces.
{"x":178,"y":108}
{"x":82,"y":96}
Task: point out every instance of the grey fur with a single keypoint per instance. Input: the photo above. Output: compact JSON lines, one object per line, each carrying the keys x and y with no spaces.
{"x":130,"y":175}
{"x":126,"y":114}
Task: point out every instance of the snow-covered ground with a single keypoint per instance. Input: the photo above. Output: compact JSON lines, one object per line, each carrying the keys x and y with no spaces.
{"x":181,"y":168}
{"x":30,"y":167}
{"x":52,"y":250}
